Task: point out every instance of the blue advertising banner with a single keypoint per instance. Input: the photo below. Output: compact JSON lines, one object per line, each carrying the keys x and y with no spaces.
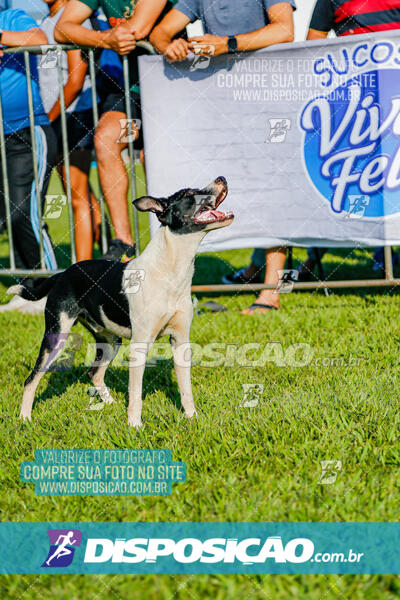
{"x":219,"y":548}
{"x":307,"y":135}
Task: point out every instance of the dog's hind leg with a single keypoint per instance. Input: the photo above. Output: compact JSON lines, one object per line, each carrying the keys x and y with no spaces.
{"x":107,"y":347}
{"x":57,"y":329}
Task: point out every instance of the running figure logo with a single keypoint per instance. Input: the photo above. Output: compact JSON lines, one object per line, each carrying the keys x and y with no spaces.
{"x":62,"y":542}
{"x":278,"y":129}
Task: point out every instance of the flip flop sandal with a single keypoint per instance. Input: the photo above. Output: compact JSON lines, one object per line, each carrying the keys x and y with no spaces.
{"x":266,"y":307}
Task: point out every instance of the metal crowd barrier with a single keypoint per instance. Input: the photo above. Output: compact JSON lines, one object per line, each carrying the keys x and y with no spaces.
{"x":59,"y":48}
{"x":389,"y":279}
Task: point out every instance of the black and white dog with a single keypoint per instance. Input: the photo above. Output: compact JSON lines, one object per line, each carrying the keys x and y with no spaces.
{"x":97,"y":293}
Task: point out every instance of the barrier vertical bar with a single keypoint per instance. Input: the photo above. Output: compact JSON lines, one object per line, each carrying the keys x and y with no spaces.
{"x":34,"y":154}
{"x":388,"y":262}
{"x":125,"y":64}
{"x":6,"y":189}
{"x":95,"y":112}
{"x":66,"y":154}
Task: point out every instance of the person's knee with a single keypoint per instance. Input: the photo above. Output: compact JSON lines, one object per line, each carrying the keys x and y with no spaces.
{"x":80,"y":201}
{"x":102,"y":142}
{"x":106,"y":139}
{"x":79,"y":188}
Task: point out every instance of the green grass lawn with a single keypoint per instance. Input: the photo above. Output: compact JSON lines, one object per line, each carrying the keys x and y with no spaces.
{"x":243,"y":464}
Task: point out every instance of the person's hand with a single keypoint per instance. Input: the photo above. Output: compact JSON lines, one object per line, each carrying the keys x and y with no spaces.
{"x":177,"y":50}
{"x":209,"y":45}
{"x":121,"y":38}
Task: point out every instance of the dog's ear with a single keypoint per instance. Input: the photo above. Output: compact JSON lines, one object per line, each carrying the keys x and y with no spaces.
{"x":150,"y":204}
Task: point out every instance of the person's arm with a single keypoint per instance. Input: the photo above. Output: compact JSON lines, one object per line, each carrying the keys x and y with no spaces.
{"x":30,"y":37}
{"x":145,"y":15}
{"x":314,"y":34}
{"x":280,"y":29}
{"x":77,"y":69}
{"x":161,"y":36}
{"x":69,"y":29}
{"x":322,"y":20}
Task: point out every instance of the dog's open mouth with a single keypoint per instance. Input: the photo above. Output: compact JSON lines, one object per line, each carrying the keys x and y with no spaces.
{"x":206,"y":214}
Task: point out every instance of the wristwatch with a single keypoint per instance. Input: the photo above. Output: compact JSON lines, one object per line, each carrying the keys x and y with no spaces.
{"x":232,"y":44}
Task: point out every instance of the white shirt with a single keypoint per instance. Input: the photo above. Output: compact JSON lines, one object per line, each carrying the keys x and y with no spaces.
{"x":48,"y":75}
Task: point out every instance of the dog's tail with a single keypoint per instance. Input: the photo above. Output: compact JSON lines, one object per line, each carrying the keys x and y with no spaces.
{"x":34,"y":293}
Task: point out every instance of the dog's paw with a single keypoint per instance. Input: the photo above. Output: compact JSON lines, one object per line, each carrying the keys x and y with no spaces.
{"x":191,"y":415}
{"x":25,"y":416}
{"x":134,"y":423}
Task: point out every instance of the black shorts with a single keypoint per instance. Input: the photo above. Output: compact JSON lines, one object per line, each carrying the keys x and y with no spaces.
{"x":80,"y":132}
{"x":115,"y":101}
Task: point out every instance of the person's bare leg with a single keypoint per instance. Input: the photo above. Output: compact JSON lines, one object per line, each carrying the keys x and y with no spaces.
{"x":274,"y":262}
{"x":96,"y":216}
{"x":82,"y":217}
{"x":113,"y":176}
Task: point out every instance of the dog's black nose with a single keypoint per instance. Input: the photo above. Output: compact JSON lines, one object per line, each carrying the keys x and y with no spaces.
{"x":221,"y":179}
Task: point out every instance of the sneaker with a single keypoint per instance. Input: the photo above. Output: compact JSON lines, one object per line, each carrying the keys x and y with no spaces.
{"x":119,"y":251}
{"x":24,"y":306}
{"x":238,"y":277}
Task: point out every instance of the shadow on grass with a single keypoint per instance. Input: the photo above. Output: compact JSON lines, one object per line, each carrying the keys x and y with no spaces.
{"x":156,"y":378}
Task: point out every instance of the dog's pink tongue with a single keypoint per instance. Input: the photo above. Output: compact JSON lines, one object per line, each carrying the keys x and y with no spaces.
{"x":210,"y":215}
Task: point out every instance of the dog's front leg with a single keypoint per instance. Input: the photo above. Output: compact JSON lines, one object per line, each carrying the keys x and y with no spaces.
{"x":137,"y":363}
{"x":181,"y":351}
